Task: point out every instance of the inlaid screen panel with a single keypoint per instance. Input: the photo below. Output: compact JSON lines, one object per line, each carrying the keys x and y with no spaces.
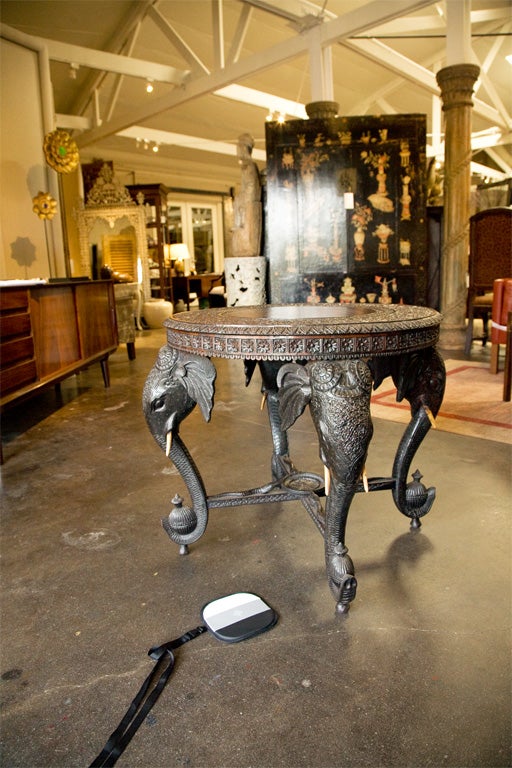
{"x":345,"y":210}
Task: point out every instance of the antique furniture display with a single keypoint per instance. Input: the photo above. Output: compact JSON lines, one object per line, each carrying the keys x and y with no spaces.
{"x":323,"y":356}
{"x":501,"y":331}
{"x":346,"y":209}
{"x":112,"y":226}
{"x":490,"y":257}
{"x":49,"y":332}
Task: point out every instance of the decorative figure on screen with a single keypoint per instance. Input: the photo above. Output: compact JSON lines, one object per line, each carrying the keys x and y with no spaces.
{"x":405,"y":153}
{"x":348,"y":292}
{"x":383,"y":232}
{"x":246,"y":232}
{"x":313,"y":297}
{"x":291,"y":259}
{"x":405,"y":252}
{"x":385,"y":298}
{"x":335,"y":251}
{"x":360,"y":219}
{"x":379,"y":163}
{"x":406,"y":199}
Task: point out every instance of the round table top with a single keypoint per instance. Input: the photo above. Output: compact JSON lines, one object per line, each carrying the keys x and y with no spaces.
{"x":304,"y":331}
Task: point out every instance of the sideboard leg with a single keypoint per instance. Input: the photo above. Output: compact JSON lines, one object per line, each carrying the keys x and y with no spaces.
{"x":105,"y":371}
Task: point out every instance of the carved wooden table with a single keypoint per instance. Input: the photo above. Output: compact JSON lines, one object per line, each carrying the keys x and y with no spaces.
{"x":327,"y":357}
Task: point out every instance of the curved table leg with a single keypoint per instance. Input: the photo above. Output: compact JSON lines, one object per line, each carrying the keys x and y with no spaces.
{"x":281,"y":464}
{"x":420,"y":379}
{"x":338,"y":394}
{"x":176,"y":383}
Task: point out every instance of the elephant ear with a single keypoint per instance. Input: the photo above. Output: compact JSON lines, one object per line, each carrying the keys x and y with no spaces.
{"x":294,"y":392}
{"x":199,"y":382}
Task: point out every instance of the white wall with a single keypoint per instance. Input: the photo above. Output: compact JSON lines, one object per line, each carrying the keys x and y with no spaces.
{"x":29,"y":246}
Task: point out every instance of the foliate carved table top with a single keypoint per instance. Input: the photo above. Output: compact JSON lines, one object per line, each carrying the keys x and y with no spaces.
{"x":303,"y":331}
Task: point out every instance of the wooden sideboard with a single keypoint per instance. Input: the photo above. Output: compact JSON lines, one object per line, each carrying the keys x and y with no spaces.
{"x":51,"y":331}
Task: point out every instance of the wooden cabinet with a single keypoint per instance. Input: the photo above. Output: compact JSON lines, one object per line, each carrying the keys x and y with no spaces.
{"x":345,"y":210}
{"x":49,"y":332}
{"x":154,"y":199}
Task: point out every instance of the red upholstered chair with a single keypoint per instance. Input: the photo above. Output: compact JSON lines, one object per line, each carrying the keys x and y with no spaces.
{"x":501,"y":330}
{"x":490,"y":257}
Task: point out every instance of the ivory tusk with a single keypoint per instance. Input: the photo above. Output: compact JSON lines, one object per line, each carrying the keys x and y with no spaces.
{"x":168,"y":443}
{"x":430,"y":415}
{"x":263,"y":401}
{"x":364,"y":477}
{"x":327,"y":480}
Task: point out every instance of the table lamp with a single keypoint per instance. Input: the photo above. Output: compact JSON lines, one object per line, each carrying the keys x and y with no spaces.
{"x":180,"y":258}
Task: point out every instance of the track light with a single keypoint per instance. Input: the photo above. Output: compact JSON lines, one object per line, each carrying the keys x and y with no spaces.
{"x":149,"y":85}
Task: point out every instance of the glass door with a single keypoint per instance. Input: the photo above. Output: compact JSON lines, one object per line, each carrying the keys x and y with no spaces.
{"x":199,"y":225}
{"x":202,"y":234}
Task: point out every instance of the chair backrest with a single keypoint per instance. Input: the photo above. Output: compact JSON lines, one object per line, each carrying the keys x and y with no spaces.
{"x":490,"y":247}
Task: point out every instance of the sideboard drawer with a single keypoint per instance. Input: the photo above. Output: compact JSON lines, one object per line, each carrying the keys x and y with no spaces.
{"x":15,"y":325}
{"x":16,"y":350}
{"x":12,"y":300}
{"x":17,"y":376}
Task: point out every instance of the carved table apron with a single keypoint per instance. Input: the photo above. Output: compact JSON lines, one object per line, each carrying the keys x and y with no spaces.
{"x":327,"y":357}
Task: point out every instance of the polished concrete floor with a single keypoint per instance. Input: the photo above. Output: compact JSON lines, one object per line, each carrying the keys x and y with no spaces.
{"x":418,"y":673}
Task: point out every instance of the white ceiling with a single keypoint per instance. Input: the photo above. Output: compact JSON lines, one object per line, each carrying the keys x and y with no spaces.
{"x":370,"y":56}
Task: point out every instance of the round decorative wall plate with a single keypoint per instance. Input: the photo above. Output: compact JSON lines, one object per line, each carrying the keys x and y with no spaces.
{"x":61,"y":151}
{"x":44,"y":205}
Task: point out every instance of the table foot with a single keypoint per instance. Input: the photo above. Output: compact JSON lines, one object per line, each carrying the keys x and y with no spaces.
{"x":342,"y":581}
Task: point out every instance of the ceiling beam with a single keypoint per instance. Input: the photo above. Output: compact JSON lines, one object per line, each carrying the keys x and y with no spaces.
{"x":330,"y":32}
{"x":138,"y":132}
{"x":240,"y":34}
{"x":381,"y":53}
{"x":177,"y":41}
{"x":218,"y":34}
{"x":113,"y":62}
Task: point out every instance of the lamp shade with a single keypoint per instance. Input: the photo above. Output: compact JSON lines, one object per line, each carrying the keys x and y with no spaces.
{"x":179,"y":252}
{"x":180,"y":257}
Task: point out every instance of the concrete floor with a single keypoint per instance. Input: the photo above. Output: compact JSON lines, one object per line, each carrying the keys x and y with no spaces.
{"x":418,"y":674}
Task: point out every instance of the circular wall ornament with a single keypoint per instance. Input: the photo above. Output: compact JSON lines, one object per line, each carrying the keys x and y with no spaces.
{"x":44,"y":205}
{"x":61,"y":151}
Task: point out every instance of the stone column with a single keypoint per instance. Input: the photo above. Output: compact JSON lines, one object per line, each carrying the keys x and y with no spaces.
{"x":456,"y":83}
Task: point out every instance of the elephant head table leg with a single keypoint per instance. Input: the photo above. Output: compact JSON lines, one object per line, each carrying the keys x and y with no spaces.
{"x":176,"y":383}
{"x":338,"y":394}
{"x":420,"y":380}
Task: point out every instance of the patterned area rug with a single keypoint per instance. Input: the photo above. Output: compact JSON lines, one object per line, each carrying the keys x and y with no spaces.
{"x":472,"y":403}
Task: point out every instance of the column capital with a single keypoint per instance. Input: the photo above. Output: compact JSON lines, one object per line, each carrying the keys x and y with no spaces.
{"x":456,"y":83}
